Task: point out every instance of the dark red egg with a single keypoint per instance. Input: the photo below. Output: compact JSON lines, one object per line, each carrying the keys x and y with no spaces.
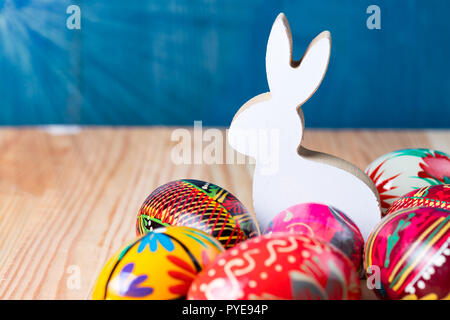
{"x":408,"y":251}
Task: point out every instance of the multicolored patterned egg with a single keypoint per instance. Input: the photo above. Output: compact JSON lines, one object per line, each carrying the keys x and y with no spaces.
{"x":200,"y":205}
{"x":157,"y":266}
{"x":325,"y":223}
{"x":411,"y":249}
{"x":278,"y":266}
{"x":434,"y":197}
{"x":399,"y":172}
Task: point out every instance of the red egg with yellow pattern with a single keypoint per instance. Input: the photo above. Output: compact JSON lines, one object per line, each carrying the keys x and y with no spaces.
{"x":409,"y":253}
{"x":325,"y":223}
{"x":278,"y":266}
{"x":434,"y":197}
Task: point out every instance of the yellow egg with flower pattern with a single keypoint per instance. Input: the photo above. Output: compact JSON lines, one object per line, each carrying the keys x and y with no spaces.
{"x":157,"y":266}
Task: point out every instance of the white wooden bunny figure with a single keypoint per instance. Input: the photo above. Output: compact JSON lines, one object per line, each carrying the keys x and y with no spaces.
{"x":301,"y":175}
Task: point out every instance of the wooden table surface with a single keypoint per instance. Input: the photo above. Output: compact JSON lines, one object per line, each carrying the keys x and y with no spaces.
{"x":69,"y":200}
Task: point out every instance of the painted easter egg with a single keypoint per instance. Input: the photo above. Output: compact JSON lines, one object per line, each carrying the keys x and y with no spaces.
{"x":200,"y":205}
{"x":278,"y":266}
{"x":325,"y":223}
{"x":157,"y":266}
{"x":435,"y":197}
{"x":410,"y":248}
{"x":399,"y":172}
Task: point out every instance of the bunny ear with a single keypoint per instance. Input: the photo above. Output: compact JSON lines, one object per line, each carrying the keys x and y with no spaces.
{"x":295,"y":81}
{"x":279,"y":51}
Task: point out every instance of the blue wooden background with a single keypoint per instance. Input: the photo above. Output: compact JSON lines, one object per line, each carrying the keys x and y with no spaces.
{"x":170,"y":62}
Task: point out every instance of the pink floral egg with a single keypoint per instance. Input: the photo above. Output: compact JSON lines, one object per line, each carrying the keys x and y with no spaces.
{"x":278,"y":266}
{"x":399,"y":172}
{"x":325,"y":223}
{"x":408,"y":251}
{"x":434,"y":197}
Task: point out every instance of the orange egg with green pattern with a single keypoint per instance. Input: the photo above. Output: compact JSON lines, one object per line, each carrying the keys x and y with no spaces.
{"x":197,"y":204}
{"x":157,"y":266}
{"x":409,"y":252}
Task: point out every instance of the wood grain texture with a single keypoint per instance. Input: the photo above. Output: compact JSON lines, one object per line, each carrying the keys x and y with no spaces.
{"x":67,"y":202}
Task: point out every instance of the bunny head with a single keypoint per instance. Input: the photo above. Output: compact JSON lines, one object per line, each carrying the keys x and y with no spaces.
{"x":291,"y":83}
